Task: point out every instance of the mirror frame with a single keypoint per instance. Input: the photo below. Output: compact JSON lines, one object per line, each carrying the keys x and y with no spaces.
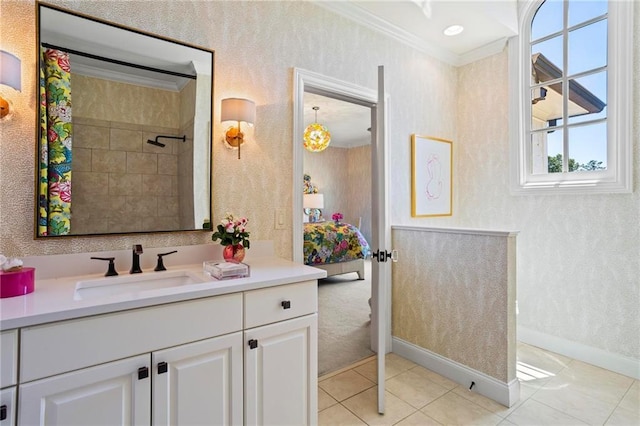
{"x":208,"y":123}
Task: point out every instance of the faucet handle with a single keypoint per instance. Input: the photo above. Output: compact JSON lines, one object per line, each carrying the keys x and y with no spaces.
{"x":112,"y":266}
{"x":160,"y":265}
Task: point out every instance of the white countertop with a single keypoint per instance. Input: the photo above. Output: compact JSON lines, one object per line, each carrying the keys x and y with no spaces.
{"x":53,"y":299}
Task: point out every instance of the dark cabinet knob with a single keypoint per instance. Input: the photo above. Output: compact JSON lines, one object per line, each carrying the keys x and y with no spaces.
{"x":253,"y":343}
{"x":3,"y":412}
{"x":143,"y":373}
{"x":286,"y":304}
{"x":163,"y":367}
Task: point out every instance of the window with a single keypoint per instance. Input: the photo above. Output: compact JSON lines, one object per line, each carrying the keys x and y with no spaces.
{"x":571,"y":91}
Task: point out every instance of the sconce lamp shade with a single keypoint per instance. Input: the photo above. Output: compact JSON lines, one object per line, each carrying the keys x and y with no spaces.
{"x":313,"y":201}
{"x":10,"y":73}
{"x":238,"y":109}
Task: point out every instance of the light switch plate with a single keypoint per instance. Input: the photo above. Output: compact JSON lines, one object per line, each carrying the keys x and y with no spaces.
{"x":280,"y":219}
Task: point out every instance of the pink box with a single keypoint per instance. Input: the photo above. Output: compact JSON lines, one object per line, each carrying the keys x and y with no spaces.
{"x":17,"y":283}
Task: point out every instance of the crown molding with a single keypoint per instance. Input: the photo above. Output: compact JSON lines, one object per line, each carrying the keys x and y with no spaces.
{"x":353,"y":12}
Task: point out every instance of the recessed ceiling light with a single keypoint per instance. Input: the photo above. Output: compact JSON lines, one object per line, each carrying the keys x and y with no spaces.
{"x":453,"y":30}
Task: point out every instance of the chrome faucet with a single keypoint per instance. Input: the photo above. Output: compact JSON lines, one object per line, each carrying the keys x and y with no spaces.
{"x":135,"y":264}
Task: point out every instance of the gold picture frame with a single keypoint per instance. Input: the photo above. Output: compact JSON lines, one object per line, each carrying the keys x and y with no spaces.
{"x":431,"y":176}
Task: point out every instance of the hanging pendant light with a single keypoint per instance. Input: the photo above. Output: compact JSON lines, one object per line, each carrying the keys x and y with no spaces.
{"x":316,"y":137}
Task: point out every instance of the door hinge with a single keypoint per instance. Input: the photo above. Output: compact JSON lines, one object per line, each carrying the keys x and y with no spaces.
{"x":383,"y":255}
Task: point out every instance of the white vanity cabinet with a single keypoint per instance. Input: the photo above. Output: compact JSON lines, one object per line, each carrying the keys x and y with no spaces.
{"x":248,"y":357}
{"x":69,"y":376}
{"x":281,"y":355}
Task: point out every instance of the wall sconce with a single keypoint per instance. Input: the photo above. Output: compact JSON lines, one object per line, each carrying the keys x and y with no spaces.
{"x":237,"y":109}
{"x":10,"y":75}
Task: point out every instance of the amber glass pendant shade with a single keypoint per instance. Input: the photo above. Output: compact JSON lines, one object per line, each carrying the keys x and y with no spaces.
{"x":316,"y":137}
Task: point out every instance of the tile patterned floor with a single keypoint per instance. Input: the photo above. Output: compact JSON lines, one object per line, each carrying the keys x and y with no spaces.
{"x":555,"y":390}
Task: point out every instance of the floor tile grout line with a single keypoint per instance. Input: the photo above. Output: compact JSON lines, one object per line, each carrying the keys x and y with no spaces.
{"x":535,"y":390}
{"x":619,"y":402}
{"x":563,"y":412}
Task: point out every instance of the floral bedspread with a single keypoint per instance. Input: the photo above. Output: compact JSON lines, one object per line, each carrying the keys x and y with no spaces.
{"x":330,"y":242}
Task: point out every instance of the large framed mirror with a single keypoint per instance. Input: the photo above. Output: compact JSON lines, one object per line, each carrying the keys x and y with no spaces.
{"x":125,"y":129}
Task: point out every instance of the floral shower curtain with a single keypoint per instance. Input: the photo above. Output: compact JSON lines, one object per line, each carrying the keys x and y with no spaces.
{"x":54,"y":189}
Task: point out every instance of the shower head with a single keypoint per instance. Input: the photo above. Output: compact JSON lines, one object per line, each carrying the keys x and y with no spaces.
{"x":156,"y":143}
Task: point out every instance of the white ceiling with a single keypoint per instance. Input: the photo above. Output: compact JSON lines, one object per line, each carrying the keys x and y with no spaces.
{"x":347,"y":122}
{"x":419,"y":23}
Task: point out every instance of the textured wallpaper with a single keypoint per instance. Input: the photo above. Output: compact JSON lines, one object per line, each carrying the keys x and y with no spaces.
{"x":453,"y":299}
{"x":578,"y":255}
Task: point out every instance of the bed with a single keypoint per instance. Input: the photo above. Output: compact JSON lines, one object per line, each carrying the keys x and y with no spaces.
{"x":338,"y":248}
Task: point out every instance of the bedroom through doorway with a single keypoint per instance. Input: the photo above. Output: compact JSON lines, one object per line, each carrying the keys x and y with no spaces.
{"x":342,"y":175}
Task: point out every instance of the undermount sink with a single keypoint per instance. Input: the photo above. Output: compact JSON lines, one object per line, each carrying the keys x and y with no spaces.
{"x":134,"y":283}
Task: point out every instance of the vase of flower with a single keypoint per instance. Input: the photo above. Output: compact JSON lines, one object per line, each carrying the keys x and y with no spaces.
{"x":233,"y":253}
{"x":233,"y":235}
{"x":337,"y":217}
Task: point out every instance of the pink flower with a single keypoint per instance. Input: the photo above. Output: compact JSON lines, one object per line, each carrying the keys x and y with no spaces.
{"x":51,"y":135}
{"x":230,"y":228}
{"x":63,"y":62}
{"x":65,"y":191}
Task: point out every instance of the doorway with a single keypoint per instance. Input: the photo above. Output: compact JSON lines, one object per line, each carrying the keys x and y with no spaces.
{"x":381,"y":232}
{"x":341,"y":175}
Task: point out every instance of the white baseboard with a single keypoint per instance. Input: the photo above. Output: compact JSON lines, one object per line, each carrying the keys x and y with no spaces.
{"x":506,"y":394}
{"x":614,"y":362}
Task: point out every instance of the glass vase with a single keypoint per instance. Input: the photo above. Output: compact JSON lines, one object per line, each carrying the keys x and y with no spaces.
{"x":233,"y":253}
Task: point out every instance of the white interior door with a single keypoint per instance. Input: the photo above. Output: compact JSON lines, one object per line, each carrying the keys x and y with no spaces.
{"x":380,"y":270}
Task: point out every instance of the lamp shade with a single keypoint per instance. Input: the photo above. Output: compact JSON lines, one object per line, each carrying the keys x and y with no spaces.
{"x":313,"y":201}
{"x":238,"y":109}
{"x":10,"y":73}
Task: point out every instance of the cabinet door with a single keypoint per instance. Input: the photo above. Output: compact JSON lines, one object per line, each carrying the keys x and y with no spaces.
{"x":199,"y":383}
{"x":8,"y":358}
{"x":8,"y":406}
{"x":281,"y":373}
{"x":116,"y":393}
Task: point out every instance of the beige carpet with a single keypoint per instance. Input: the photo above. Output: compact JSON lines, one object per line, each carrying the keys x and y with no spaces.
{"x":343,"y":320}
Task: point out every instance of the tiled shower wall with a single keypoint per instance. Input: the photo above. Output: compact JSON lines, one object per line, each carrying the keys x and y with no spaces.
{"x":120,"y":182}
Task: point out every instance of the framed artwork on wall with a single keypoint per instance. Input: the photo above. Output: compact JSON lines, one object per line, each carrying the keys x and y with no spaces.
{"x":431,"y":176}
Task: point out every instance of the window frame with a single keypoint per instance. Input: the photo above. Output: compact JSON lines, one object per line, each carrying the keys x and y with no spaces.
{"x":618,"y":177}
